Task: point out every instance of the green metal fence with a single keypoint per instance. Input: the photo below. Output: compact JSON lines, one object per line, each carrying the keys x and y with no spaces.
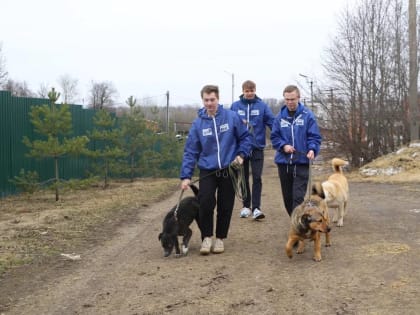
{"x":15,"y":123}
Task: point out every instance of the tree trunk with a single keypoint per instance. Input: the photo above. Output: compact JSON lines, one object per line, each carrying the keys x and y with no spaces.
{"x":57,"y":178}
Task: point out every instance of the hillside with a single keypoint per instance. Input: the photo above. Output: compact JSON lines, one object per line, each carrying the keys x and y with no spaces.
{"x":400,"y":166}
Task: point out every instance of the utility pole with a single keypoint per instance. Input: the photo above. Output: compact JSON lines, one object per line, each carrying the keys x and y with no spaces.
{"x":167,"y":113}
{"x":413,"y":98}
{"x":311,"y":85}
{"x":331,"y":90}
{"x":312,"y":95}
{"x":233,"y":84}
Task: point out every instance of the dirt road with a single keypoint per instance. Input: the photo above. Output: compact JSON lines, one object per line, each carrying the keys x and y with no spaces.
{"x":371,"y":268}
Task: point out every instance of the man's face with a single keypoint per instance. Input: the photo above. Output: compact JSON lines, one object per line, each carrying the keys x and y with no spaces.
{"x":211,"y":102}
{"x":291,"y":99}
{"x":249,"y":94}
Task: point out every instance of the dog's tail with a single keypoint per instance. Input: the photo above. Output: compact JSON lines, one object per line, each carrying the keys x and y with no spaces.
{"x":194,"y":189}
{"x":318,"y":190}
{"x":337,"y":163}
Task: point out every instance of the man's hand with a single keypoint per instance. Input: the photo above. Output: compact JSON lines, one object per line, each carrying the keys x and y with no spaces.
{"x":185,"y":183}
{"x":238,"y":160}
{"x":310,"y":155}
{"x":288,"y":148}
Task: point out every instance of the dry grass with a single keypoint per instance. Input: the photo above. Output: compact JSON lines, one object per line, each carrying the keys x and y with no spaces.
{"x":397,"y":167}
{"x":37,"y":228}
{"x":383,"y":248}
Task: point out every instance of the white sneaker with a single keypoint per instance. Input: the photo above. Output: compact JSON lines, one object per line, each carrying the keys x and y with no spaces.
{"x":245,"y":212}
{"x":205,"y":246}
{"x":257,"y":214}
{"x":218,"y":247}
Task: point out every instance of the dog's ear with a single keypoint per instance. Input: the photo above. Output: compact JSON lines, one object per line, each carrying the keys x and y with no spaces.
{"x":194,"y":189}
{"x":318,"y":190}
{"x":160,"y":236}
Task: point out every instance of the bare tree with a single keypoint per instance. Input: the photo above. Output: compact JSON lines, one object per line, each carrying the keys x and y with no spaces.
{"x":3,"y":72}
{"x":274,"y":104}
{"x":43,"y":90}
{"x":18,"y":88}
{"x":69,"y":89}
{"x":102,"y":94}
{"x":367,"y":65}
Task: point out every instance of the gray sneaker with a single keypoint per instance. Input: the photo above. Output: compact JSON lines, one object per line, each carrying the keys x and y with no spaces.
{"x":257,"y":214}
{"x":245,"y":212}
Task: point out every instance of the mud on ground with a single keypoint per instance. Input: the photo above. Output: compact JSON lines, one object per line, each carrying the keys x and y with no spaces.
{"x":371,"y":268}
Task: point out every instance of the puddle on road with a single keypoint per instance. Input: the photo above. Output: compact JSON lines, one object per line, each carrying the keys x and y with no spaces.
{"x":414,"y":210}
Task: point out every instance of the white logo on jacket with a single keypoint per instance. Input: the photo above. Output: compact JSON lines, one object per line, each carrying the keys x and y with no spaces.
{"x":255,"y":112}
{"x":241,"y":112}
{"x":207,"y":132}
{"x":299,"y":122}
{"x":224,"y":127}
{"x":284,"y":123}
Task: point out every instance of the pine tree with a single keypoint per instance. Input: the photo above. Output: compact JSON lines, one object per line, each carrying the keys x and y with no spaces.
{"x":135,"y":136}
{"x":55,"y":124}
{"x":108,"y":147}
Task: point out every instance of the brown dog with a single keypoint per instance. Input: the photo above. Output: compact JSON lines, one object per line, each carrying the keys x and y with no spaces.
{"x":336,"y":190}
{"x":308,"y":220}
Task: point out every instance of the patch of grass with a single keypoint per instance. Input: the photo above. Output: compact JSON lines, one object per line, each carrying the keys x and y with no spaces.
{"x":397,"y":167}
{"x":35,"y":229}
{"x":383,"y":248}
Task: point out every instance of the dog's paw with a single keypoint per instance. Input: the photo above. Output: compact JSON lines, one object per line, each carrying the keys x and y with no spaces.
{"x":301,"y":248}
{"x":340,"y":223}
{"x":327,"y":244}
{"x":184,"y":250}
{"x":317,"y":258}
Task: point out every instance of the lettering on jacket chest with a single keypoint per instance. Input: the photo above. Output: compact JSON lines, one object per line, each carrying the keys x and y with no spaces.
{"x":209,"y":131}
{"x":285,"y":124}
{"x":224,"y":127}
{"x":254,"y":112}
{"x":299,"y":122}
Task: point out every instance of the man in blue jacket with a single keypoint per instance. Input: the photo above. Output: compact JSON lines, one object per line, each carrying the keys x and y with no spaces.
{"x":216,"y":139}
{"x":296,"y":138}
{"x":257,"y":116}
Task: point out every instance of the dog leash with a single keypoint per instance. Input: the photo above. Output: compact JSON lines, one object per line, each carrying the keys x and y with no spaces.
{"x":177,"y":205}
{"x":237,"y":175}
{"x":238,"y":182}
{"x":182,"y":192}
{"x":309,"y":187}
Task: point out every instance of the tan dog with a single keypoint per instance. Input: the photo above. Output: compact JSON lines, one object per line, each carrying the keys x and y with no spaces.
{"x":308,"y":221}
{"x":336,"y":190}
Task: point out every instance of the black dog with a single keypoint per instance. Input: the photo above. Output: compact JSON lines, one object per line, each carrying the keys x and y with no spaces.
{"x":172,"y":227}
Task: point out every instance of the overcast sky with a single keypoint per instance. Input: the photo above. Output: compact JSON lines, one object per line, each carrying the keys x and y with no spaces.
{"x":149,"y":47}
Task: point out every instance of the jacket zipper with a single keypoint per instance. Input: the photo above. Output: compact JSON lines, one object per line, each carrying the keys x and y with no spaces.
{"x":247,"y":118}
{"x":293,"y":134}
{"x":217,"y":142}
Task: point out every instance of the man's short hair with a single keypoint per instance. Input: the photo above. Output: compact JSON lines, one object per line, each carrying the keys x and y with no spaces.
{"x":248,"y":84}
{"x":210,"y":89}
{"x":290,"y":89}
